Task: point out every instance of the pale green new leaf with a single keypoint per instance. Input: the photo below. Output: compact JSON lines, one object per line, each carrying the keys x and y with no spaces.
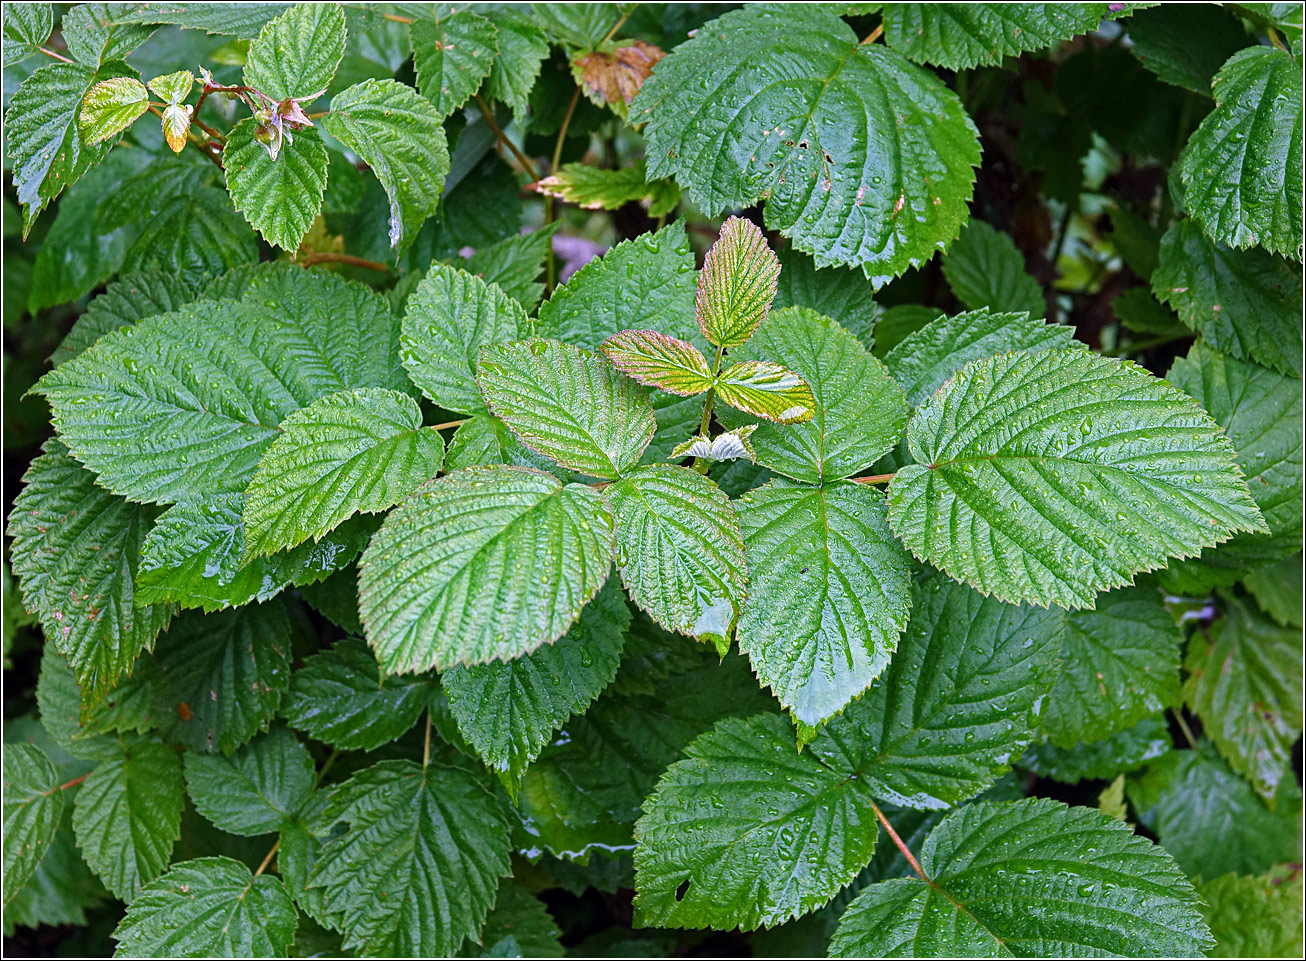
{"x":416,"y":870}
{"x":860,"y":411}
{"x":985,"y":269}
{"x":398,"y":135}
{"x":1049,"y":477}
{"x":255,"y":789}
{"x":963,"y":35}
{"x":26,"y":27}
{"x":76,"y":551}
{"x":358,"y":450}
{"x":736,"y":285}
{"x":714,"y":851}
{"x":174,"y":87}
{"x":1247,"y":303}
{"x":864,"y":158}
{"x":451,"y":315}
{"x":33,"y":805}
{"x":111,"y":106}
{"x":128,"y":814}
{"x":829,"y":592}
{"x":765,"y":389}
{"x":341,"y":697}
{"x":1257,"y":917}
{"x":657,"y":360}
{"x":679,"y":550}
{"x":441,"y":582}
{"x":1242,"y":168}
{"x":452,"y":56}
{"x":209,"y":907}
{"x":593,"y":188}
{"x":1069,"y":882}
{"x":42,"y":138}
{"x":184,"y":404}
{"x":280,"y":198}
{"x":296,"y":54}
{"x":1120,"y":664}
{"x":195,"y":556}
{"x":567,"y":403}
{"x":1245,"y":683}
{"x":509,"y":710}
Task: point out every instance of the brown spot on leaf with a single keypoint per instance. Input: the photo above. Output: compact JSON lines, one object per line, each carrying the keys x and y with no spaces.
{"x":619,"y":75}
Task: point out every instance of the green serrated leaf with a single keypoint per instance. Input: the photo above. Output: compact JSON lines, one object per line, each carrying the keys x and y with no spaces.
{"x":713,"y":851}
{"x":1242,"y":168}
{"x":76,"y":550}
{"x":519,"y":926}
{"x":1125,"y":750}
{"x":1247,"y":303}
{"x":427,"y":583}
{"x":26,"y":28}
{"x":184,"y":404}
{"x":33,"y":805}
{"x":509,"y":710}
{"x":1186,"y":47}
{"x":255,"y":789}
{"x":522,"y":49}
{"x":1061,"y":870}
{"x":398,"y":135}
{"x":416,"y":870}
{"x":209,"y":907}
{"x":985,"y":269}
{"x":829,"y":589}
{"x":296,"y":54}
{"x":790,"y":126}
{"x":42,"y":137}
{"x":567,"y":403}
{"x":1245,"y":683}
{"x":963,"y":35}
{"x":1120,"y":665}
{"x":844,"y":296}
{"x":452,"y":56}
{"x":195,"y":556}
{"x":766,"y":389}
{"x":111,"y":106}
{"x":280,"y":198}
{"x":485,"y":441}
{"x":59,"y":700}
{"x":657,"y":360}
{"x":93,"y":33}
{"x":859,"y":410}
{"x":174,"y":87}
{"x":61,"y":889}
{"x":358,"y":450}
{"x":340,"y":697}
{"x":131,"y":298}
{"x":679,"y":550}
{"x":1275,"y":588}
{"x":1210,"y":819}
{"x":736,"y":285}
{"x":1070,"y":435}
{"x":243,"y":20}
{"x":515,"y":263}
{"x":127,"y":816}
{"x":450,"y":317}
{"x":1258,"y":917}
{"x":593,"y":188}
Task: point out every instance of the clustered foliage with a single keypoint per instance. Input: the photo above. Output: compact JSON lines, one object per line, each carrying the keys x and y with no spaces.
{"x":391,"y":589}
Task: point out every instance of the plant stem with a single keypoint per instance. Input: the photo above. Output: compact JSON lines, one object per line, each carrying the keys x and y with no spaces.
{"x":73,"y":783}
{"x":396,"y":18}
{"x":58,"y":56}
{"x":618,"y":25}
{"x":326,"y":766}
{"x":1142,"y":345}
{"x":1178,"y":715}
{"x":898,"y":842}
{"x":551,"y":274}
{"x":872,"y":479}
{"x":452,"y":423}
{"x":873,"y":35}
{"x":312,"y":257}
{"x":193,"y":140}
{"x":217,"y":135}
{"x":426,"y":744}
{"x":267,"y":859}
{"x":700,"y":464}
{"x":502,"y":138}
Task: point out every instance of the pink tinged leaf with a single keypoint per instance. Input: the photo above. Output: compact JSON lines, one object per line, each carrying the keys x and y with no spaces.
{"x":736,"y":285}
{"x":767,"y":390}
{"x":657,"y":360}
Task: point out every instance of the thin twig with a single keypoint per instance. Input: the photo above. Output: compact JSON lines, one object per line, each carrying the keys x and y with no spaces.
{"x":700,"y":464}
{"x":872,"y":479}
{"x":873,"y":35}
{"x":906,"y":853}
{"x":193,"y":140}
{"x":73,"y":783}
{"x":426,"y":744}
{"x":1183,"y":726}
{"x":551,"y":274}
{"x":326,"y":766}
{"x":397,"y":18}
{"x":267,"y":858}
{"x":58,"y":56}
{"x":452,"y":423}
{"x":313,"y":257}
{"x":618,"y":25}
{"x":499,"y":135}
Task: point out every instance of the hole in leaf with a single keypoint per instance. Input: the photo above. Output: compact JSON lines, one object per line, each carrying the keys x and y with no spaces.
{"x":680,"y":891}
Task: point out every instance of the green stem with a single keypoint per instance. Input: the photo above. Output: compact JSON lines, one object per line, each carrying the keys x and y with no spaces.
{"x":267,"y":859}
{"x":326,"y":766}
{"x":426,"y":743}
{"x":898,"y":842}
{"x":57,"y":56}
{"x":488,"y":115}
{"x":618,"y":25}
{"x":700,"y":464}
{"x":552,"y":271}
{"x":1183,"y":726}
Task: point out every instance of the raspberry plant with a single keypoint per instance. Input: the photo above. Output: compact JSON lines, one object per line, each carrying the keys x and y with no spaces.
{"x":396,"y":578}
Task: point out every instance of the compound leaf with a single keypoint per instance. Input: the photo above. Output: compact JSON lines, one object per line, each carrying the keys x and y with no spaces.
{"x":358,"y":450}
{"x":441,"y":582}
{"x":1114,"y":471}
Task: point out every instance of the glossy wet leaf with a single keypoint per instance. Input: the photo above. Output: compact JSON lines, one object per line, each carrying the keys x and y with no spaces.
{"x":1097,"y":452}
{"x":33,"y":805}
{"x":27,"y":26}
{"x":985,"y":269}
{"x":767,"y":390}
{"x":452,"y":55}
{"x":657,"y":360}
{"x":111,"y":106}
{"x":280,"y":198}
{"x":736,"y":285}
{"x":1125,"y":750}
{"x":296,"y":54}
{"x":594,"y":189}
{"x":256,"y":788}
{"x":1254,"y":917}
{"x":427,"y":583}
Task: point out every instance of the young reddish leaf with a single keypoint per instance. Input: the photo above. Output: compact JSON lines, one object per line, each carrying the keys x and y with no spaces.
{"x":737,"y":284}
{"x":659,"y":361}
{"x":176,"y":124}
{"x":768,"y":390}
